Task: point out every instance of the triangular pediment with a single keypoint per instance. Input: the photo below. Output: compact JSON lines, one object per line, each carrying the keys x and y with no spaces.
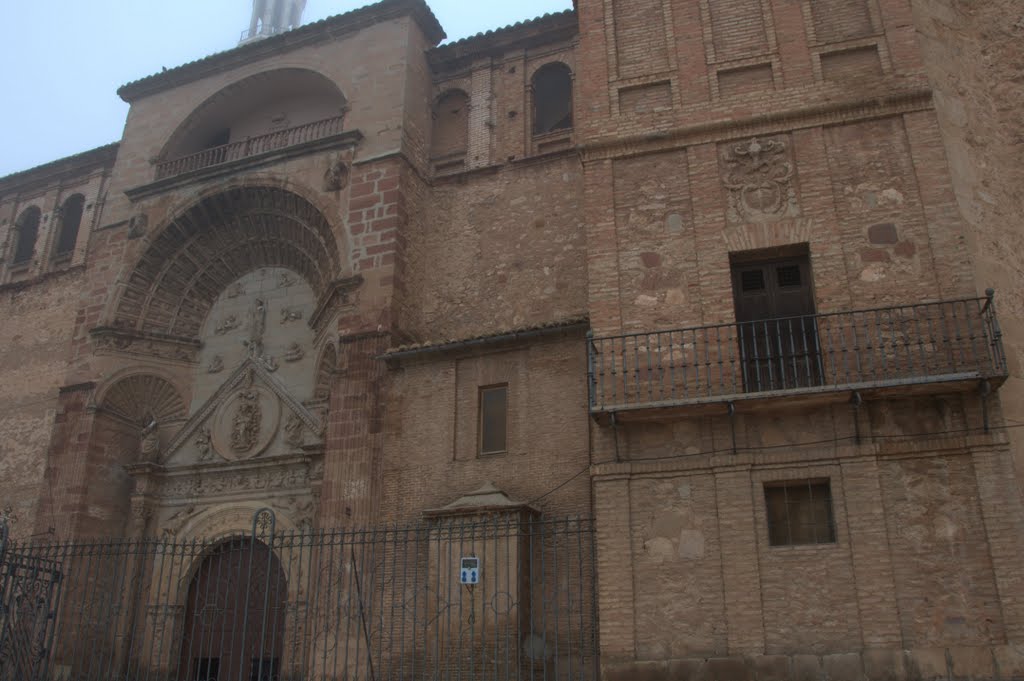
{"x":253,"y":378}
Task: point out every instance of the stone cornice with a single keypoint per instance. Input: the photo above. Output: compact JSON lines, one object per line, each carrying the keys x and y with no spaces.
{"x":70,"y":167}
{"x":331,"y":28}
{"x":773,"y":122}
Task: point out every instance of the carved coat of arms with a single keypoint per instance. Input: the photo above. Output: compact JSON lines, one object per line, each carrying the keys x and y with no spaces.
{"x":759,"y":177}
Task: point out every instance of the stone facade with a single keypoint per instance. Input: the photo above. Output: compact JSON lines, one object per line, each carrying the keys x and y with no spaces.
{"x":307,"y":256}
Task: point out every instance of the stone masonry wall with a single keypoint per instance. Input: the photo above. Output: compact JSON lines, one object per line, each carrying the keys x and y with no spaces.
{"x":972,"y":51}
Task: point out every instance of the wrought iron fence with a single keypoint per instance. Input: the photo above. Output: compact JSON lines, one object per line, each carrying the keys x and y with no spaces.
{"x":856,"y":350}
{"x":251,"y":146}
{"x":388,"y":603}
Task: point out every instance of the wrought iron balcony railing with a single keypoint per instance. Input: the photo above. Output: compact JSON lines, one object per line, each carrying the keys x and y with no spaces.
{"x":252,"y":146}
{"x":944,"y":342}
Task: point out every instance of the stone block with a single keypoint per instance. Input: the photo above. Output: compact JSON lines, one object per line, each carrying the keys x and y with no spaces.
{"x":727,"y":669}
{"x":927,"y":664}
{"x":637,"y":671}
{"x":806,"y":668}
{"x":884,"y":664}
{"x":843,"y":667}
{"x":1009,"y":662}
{"x":972,"y":663}
{"x":689,"y":669}
{"x":772,"y":668}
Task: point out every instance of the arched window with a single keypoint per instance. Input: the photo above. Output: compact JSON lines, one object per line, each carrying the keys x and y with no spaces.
{"x":26,"y":231}
{"x":70,"y":221}
{"x":451,"y":124}
{"x":552,"y":98}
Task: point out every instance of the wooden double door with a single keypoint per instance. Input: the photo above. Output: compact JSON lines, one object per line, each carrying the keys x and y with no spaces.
{"x":777,"y":330}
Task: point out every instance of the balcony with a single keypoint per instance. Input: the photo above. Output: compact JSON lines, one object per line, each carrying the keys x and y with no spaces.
{"x":891,"y":351}
{"x":251,"y":147}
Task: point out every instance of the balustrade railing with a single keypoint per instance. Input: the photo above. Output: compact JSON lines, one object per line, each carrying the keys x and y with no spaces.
{"x":856,"y":350}
{"x":251,"y":146}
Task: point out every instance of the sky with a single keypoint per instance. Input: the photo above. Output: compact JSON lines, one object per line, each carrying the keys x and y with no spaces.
{"x":62,"y":61}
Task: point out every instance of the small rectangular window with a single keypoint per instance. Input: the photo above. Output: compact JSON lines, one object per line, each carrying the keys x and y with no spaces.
{"x":494,"y":419}
{"x":800,"y":513}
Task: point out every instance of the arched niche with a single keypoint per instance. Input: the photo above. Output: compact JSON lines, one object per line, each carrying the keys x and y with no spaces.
{"x":26,"y":233}
{"x":450,"y":130}
{"x":197,"y":256}
{"x":552,"y":98}
{"x":257,"y":105}
{"x":70,"y":222}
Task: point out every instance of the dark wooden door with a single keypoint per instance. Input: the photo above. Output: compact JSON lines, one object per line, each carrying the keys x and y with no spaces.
{"x":235,"y":615}
{"x":778,"y":334}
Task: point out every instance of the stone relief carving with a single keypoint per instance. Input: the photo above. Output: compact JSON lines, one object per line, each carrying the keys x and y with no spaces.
{"x":759,"y":177}
{"x":294,"y":353}
{"x":246,"y":423}
{"x":269,"y":363}
{"x":293,"y":477}
{"x":237,"y":289}
{"x":293,"y":431}
{"x":109,"y":341}
{"x":216,"y":365}
{"x":227,"y":324}
{"x":149,"y":441}
{"x":285,"y":280}
{"x":336,"y":176}
{"x":204,"y":443}
{"x":137,"y":225}
{"x":291,"y":314}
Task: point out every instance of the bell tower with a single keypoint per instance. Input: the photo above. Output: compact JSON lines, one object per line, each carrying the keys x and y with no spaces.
{"x":270,"y":17}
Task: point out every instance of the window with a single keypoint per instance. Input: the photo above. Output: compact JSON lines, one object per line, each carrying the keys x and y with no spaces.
{"x":800,"y":513}
{"x":26,"y":231}
{"x":70,"y":221}
{"x":451,"y":125}
{"x":552,"y":98}
{"x":494,"y":419}
{"x":265,"y":669}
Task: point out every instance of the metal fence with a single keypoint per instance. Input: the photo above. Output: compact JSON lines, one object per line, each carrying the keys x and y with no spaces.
{"x":388,"y":603}
{"x":251,"y":146}
{"x":855,"y":350}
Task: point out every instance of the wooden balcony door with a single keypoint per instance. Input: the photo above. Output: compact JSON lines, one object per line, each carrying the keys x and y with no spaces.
{"x":777,"y":332}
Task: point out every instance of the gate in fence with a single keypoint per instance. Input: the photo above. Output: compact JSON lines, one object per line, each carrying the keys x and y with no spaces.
{"x":498,"y":597}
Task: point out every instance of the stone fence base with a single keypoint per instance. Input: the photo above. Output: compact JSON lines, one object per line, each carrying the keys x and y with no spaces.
{"x":1002,"y":663}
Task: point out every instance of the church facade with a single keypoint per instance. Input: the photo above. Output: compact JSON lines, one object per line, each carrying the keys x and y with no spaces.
{"x":714,"y":275}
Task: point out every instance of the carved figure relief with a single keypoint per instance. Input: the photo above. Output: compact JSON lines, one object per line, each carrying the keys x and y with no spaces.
{"x":294,"y":353}
{"x":216,"y":365}
{"x":137,"y":225}
{"x":290,"y":314}
{"x":149,"y":441}
{"x":293,"y":431}
{"x":759,"y":177}
{"x":237,"y":289}
{"x":285,"y":280}
{"x":227,"y":324}
{"x":204,"y":443}
{"x":245,"y":426}
{"x":257,"y":327}
{"x":336,"y":176}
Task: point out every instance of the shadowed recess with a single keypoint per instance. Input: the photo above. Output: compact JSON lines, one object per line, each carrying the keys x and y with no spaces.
{"x":213,"y":243}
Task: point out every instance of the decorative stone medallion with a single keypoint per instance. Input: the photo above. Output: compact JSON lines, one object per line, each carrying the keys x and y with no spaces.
{"x":245,"y":424}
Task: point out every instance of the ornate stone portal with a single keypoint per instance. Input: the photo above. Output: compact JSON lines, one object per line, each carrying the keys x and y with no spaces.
{"x":254,"y":433}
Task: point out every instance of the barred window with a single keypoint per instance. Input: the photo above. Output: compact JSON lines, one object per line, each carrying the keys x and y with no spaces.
{"x":800,"y":512}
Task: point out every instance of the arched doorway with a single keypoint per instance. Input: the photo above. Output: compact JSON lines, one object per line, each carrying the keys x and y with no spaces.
{"x":235,"y":615}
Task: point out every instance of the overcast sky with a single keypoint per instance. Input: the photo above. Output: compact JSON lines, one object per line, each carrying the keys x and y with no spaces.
{"x":61,"y":61}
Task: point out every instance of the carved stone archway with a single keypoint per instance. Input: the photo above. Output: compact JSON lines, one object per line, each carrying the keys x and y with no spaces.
{"x":201,"y":251}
